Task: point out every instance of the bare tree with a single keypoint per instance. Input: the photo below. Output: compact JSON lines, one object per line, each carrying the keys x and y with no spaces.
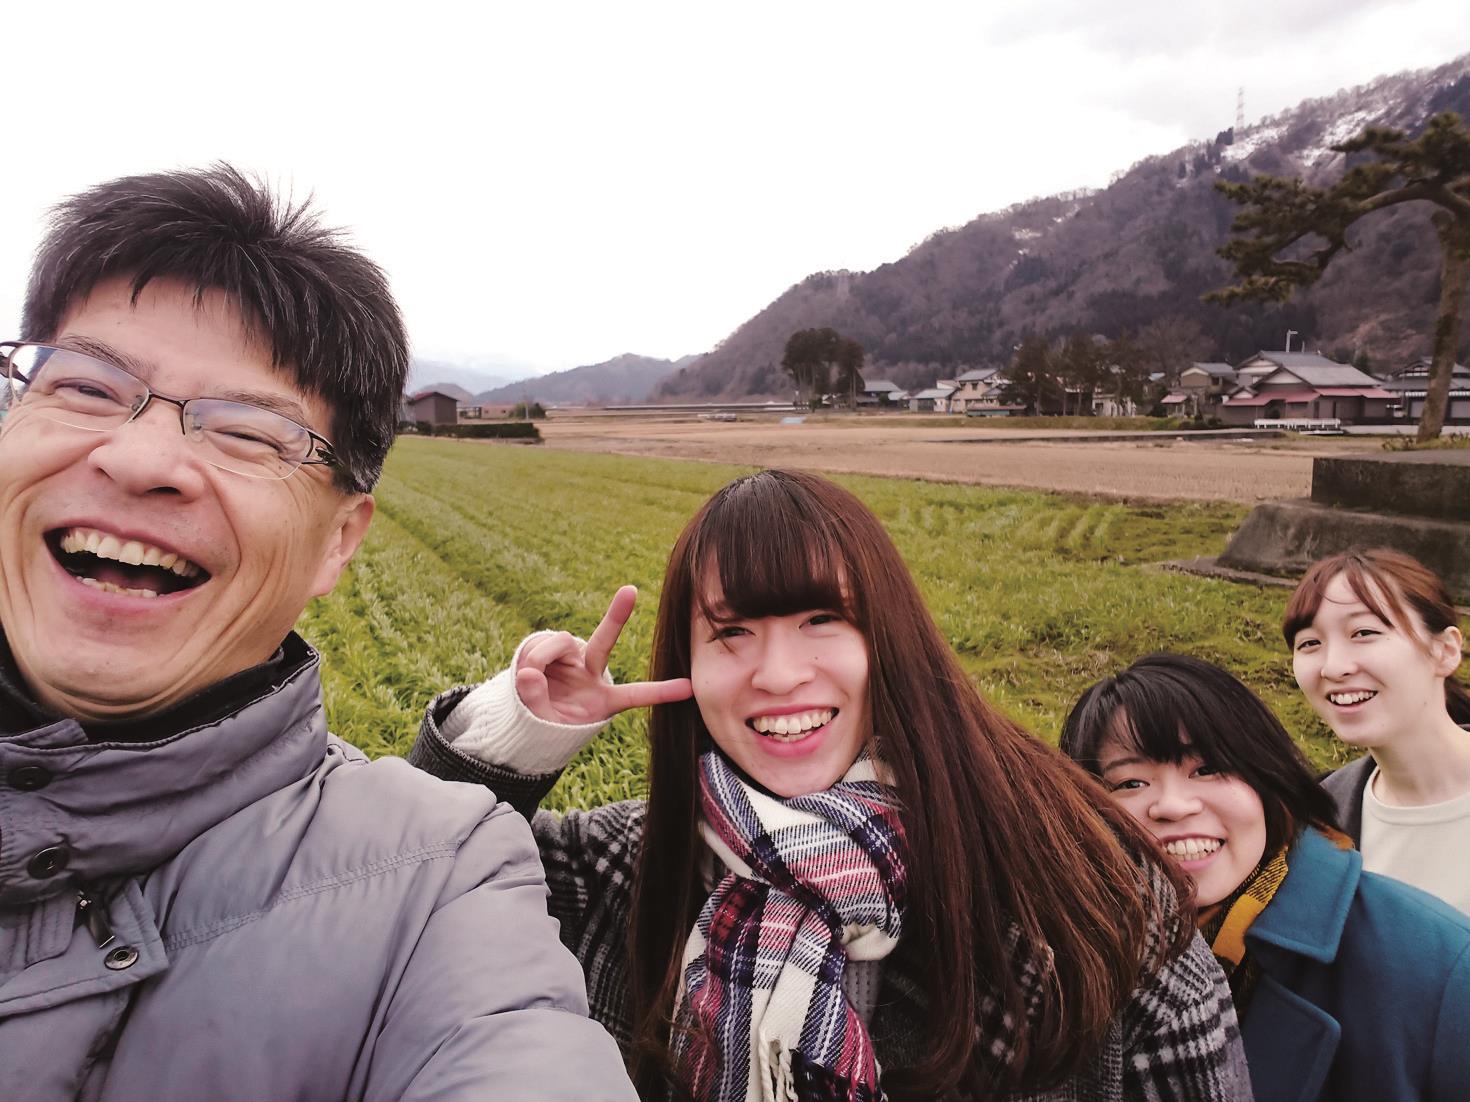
{"x":1169,"y":345}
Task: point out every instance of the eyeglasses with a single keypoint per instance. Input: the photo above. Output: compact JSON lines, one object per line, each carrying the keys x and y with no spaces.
{"x":83,"y":392}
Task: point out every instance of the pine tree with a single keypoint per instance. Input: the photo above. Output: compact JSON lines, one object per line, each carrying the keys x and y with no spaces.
{"x":1289,"y":232}
{"x":1080,"y":365}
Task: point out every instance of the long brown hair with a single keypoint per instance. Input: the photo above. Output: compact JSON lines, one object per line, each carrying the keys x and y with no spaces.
{"x":1390,"y":584}
{"x":1001,"y":829}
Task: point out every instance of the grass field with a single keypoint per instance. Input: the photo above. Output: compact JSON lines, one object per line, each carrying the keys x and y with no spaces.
{"x":474,"y":545}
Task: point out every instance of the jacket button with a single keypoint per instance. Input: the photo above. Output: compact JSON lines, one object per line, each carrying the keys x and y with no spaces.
{"x":49,"y":862}
{"x":124,"y":956}
{"x":28,"y":778}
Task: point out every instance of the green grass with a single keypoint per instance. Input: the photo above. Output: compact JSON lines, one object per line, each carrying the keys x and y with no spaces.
{"x":475,"y":545}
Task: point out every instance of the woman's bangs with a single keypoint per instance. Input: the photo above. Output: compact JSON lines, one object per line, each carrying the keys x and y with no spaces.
{"x":1163,"y":721}
{"x":1150,"y":732}
{"x":1378,"y":596}
{"x":753,"y":572}
{"x":1377,"y":593}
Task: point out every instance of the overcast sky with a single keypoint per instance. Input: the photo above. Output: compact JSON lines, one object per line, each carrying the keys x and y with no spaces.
{"x":553,"y":184}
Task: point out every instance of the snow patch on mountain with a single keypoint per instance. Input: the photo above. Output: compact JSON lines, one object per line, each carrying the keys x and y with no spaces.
{"x":1249,"y":142}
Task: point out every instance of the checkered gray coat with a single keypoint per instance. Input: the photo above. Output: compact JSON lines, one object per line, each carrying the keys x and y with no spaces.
{"x":1177,"y":1040}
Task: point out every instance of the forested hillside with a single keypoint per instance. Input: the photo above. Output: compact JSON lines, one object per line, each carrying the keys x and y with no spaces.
{"x":1113,"y":261}
{"x":626,"y":378}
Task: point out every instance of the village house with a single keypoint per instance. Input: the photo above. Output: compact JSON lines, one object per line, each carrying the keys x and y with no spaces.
{"x":435,"y":407}
{"x":880,"y":392}
{"x":486,"y":412}
{"x":1410,"y":385}
{"x":1202,"y":387}
{"x":976,"y":387}
{"x":1306,"y":387}
{"x":934,"y":399}
{"x":1251,"y":371}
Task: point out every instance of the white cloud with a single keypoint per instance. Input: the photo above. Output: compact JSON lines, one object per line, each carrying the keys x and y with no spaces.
{"x":558,"y":184}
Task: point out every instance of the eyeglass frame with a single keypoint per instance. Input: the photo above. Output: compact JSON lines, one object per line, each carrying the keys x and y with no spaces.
{"x":323,"y":456}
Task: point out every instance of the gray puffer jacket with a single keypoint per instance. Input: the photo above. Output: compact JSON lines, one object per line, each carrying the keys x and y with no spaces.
{"x":252,"y":910}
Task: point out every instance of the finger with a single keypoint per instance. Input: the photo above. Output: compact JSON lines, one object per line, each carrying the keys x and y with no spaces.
{"x":535,"y":693}
{"x":643,"y":694}
{"x":543,"y":652}
{"x":600,"y":645}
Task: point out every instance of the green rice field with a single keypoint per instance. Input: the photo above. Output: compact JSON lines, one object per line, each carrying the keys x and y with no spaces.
{"x":476,"y":544}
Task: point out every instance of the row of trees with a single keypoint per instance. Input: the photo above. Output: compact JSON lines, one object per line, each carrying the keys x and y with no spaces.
{"x":819,"y":358}
{"x":1063,"y":376}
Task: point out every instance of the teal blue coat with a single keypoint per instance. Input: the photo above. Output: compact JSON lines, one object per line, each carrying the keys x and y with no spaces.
{"x":1364,"y":993}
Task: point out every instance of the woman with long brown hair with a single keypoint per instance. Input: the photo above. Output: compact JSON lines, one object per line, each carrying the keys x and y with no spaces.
{"x":1376,"y":642}
{"x":852,"y":878}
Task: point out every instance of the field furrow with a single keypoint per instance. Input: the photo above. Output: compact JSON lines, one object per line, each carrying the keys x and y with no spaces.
{"x":474,"y":545}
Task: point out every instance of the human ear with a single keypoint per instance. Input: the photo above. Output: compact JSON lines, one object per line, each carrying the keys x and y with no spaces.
{"x":1447,"y":649}
{"x":349,"y":527}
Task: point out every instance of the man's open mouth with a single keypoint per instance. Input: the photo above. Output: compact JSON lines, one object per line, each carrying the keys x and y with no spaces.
{"x":130,"y":567}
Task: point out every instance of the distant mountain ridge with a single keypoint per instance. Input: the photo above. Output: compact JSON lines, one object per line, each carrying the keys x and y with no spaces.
{"x":449,"y":377}
{"x":1113,"y":260}
{"x":623,"y":379}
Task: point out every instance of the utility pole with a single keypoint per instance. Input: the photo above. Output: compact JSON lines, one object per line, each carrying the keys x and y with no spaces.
{"x":1293,"y":333}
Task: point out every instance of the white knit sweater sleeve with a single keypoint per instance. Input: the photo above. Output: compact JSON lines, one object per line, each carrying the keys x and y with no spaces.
{"x":493,"y":725}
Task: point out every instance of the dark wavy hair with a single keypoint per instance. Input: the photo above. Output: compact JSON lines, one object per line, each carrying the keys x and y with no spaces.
{"x":984,"y":807}
{"x":1391,"y":585}
{"x":324,"y":309}
{"x":1171,"y":706}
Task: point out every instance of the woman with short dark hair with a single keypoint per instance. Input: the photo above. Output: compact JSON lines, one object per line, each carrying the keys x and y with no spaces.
{"x":1349,"y":986}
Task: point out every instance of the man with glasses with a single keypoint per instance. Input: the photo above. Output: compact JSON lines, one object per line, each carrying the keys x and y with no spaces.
{"x":203,"y":894}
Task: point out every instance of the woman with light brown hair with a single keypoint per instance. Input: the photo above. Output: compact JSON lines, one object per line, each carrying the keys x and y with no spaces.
{"x":1376,"y":644}
{"x":852,"y":878}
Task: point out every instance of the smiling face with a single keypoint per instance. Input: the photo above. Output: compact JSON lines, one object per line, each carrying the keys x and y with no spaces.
{"x":784,"y":697}
{"x":1370,"y":680}
{"x":132,"y":573}
{"x":1212,"y":824}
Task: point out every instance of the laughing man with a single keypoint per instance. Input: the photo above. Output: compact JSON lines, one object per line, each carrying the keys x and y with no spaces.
{"x":203,"y":894}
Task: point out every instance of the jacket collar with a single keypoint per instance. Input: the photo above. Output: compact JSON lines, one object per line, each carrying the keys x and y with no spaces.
{"x":1307,"y":914}
{"x":122,"y":808}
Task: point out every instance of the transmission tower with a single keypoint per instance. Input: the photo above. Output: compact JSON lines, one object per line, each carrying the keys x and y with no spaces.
{"x":1240,"y":109}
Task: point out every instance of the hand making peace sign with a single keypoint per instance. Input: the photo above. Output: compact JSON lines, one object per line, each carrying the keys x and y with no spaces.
{"x":560,"y":678}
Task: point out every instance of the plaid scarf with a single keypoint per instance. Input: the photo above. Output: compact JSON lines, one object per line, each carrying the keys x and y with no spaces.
{"x":812,"y":881}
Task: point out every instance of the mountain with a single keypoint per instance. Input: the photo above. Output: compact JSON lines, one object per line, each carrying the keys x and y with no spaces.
{"x":454,"y":390}
{"x":450,"y":377}
{"x":622,"y":379}
{"x":1113,"y":260}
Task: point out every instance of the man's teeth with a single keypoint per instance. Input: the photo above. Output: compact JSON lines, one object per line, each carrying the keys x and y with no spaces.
{"x":108,"y":587}
{"x":132,"y":552}
{"x":1351,"y":698}
{"x":1192,"y":847}
{"x":792,"y":727}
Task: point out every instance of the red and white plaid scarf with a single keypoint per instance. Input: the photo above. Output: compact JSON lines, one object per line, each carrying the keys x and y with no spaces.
{"x":813,"y":881}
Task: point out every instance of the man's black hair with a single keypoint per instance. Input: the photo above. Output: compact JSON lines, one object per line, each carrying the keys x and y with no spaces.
{"x":323,"y":309}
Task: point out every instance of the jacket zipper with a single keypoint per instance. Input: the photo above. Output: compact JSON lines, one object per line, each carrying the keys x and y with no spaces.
{"x":95,"y":916}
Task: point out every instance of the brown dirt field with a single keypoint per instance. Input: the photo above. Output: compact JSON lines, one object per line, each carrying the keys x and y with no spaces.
{"x":1158,"y":466}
